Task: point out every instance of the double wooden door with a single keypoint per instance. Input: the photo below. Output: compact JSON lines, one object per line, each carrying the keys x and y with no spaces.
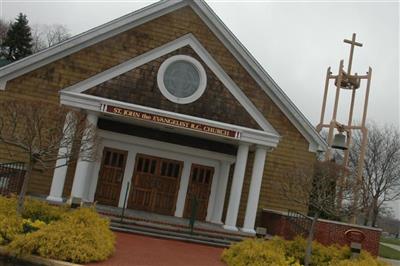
{"x":155,"y":184}
{"x":110,"y":176}
{"x":199,"y":188}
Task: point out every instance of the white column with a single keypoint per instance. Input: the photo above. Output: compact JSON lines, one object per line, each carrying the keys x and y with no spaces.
{"x":221,"y":191}
{"x":60,"y":172}
{"x":83,"y":167}
{"x":236,"y":188}
{"x":254,"y":191}
{"x":180,"y":202}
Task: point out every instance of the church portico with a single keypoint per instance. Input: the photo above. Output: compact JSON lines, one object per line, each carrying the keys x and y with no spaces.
{"x":136,"y":134}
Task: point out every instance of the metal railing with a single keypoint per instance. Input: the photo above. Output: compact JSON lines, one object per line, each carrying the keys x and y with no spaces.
{"x":11,"y":177}
{"x":300,"y":224}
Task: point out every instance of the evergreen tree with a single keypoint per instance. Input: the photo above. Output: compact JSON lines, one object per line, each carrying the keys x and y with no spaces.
{"x":18,"y":42}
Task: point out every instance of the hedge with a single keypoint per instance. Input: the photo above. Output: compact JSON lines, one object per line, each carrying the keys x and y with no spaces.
{"x":78,"y":236}
{"x":279,"y":252}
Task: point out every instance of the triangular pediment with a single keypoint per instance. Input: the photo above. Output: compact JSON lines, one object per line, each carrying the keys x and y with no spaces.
{"x":181,"y":17}
{"x":135,"y":82}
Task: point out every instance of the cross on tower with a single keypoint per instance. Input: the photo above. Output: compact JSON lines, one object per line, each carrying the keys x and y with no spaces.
{"x":353,"y":43}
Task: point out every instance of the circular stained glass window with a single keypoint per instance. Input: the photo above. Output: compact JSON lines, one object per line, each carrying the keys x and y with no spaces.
{"x":181,"y":79}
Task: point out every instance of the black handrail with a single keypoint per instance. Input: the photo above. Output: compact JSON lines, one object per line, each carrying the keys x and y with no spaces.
{"x":11,"y":177}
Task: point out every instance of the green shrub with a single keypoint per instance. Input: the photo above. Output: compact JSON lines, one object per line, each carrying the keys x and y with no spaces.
{"x":79,"y":236}
{"x":10,"y":222}
{"x":289,"y":253}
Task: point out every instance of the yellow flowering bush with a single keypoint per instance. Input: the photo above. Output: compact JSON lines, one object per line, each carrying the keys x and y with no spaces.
{"x":79,"y":236}
{"x":365,"y":259}
{"x":279,"y":252}
{"x":321,"y":255}
{"x":31,"y":226}
{"x":41,"y":210}
{"x":257,"y":252}
{"x":55,"y":232}
{"x":10,"y":222}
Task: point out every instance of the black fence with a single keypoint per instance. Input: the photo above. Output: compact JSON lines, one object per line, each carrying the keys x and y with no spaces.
{"x":300,"y":224}
{"x":11,"y":177}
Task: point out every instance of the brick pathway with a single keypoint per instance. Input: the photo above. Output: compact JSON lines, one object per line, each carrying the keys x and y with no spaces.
{"x":137,"y":250}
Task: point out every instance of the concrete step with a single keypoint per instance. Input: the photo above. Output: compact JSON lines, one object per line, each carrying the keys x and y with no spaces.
{"x":205,"y":239}
{"x":212,"y":233}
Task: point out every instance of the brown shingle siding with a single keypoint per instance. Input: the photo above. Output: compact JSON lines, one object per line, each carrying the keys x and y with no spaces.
{"x":44,"y":84}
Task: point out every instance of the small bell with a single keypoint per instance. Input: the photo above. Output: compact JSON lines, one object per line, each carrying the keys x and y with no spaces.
{"x":339,"y":141}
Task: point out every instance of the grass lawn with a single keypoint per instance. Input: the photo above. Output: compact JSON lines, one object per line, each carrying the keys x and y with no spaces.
{"x":389,"y":253}
{"x":393,"y":241}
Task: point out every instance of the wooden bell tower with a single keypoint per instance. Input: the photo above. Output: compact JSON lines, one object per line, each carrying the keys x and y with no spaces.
{"x":345,"y":80}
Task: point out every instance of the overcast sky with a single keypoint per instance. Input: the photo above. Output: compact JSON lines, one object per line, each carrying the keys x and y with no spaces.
{"x":294,"y":41}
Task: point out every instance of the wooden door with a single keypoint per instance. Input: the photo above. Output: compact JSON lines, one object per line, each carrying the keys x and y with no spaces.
{"x":199,"y":187}
{"x":110,"y":176}
{"x":155,"y":184}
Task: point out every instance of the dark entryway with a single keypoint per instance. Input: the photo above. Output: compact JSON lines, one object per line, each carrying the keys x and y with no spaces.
{"x":110,"y":176}
{"x":199,"y":188}
{"x":155,"y":184}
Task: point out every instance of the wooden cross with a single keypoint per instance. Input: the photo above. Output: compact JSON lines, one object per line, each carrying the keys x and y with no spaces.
{"x":353,"y":43}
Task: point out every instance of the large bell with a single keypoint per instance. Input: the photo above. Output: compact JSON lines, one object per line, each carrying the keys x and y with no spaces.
{"x":339,"y":141}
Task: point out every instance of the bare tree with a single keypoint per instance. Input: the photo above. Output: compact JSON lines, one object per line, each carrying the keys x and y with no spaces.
{"x":315,"y":187}
{"x":48,"y":35}
{"x":42,"y":134}
{"x":4,"y":26}
{"x":38,"y":41}
{"x":381,"y":173}
{"x":55,"y":33}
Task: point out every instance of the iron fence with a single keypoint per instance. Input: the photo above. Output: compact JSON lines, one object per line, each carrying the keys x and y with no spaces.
{"x":300,"y":224}
{"x":11,"y":177}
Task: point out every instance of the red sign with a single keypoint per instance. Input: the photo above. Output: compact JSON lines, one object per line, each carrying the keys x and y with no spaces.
{"x":354,"y":235}
{"x":171,"y":121}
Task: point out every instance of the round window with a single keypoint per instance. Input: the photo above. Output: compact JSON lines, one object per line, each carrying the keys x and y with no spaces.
{"x":181,"y":79}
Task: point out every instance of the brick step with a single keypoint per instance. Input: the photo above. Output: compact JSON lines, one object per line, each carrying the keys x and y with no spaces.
{"x":178,"y":234}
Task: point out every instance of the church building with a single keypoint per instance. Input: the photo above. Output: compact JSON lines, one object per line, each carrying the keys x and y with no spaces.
{"x":183,"y":111}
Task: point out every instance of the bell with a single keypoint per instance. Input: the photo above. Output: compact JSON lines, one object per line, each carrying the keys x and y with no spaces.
{"x":339,"y":141}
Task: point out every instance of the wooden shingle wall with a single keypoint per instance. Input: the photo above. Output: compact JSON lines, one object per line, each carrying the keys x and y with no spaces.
{"x":44,"y":84}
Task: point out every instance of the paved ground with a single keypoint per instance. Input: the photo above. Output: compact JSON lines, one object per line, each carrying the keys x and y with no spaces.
{"x":137,"y":250}
{"x":391,"y":262}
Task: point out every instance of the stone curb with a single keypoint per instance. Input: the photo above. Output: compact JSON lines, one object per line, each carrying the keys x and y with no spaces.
{"x":36,"y":259}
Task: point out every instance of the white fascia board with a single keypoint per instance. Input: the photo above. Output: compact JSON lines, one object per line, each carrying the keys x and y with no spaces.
{"x":94,"y":103}
{"x":190,"y":40}
{"x":260,"y":75}
{"x":86,"y":39}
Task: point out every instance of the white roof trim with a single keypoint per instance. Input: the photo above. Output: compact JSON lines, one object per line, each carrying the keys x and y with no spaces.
{"x":88,"y":38}
{"x":185,"y":40}
{"x":94,"y":104}
{"x":155,"y":10}
{"x":260,"y":75}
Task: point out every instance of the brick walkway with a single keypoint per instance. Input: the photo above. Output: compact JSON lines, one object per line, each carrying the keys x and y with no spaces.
{"x":137,"y":250}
